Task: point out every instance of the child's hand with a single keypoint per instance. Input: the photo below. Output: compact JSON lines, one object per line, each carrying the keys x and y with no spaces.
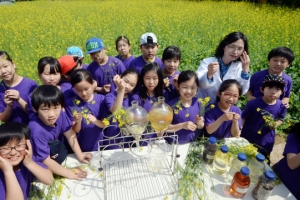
{"x":8,"y":101}
{"x":28,"y":157}
{"x":235,"y":117}
{"x":119,"y":83}
{"x":5,"y":166}
{"x":106,"y":88}
{"x":227,"y":116}
{"x":199,"y":122}
{"x":166,"y":82}
{"x":245,"y":61}
{"x":189,"y":126}
{"x":13,"y":94}
{"x":77,"y":117}
{"x":285,"y":102}
{"x":77,"y":173}
{"x":91,"y":118}
{"x":175,"y":80}
{"x":85,"y":157}
{"x":212,"y":69}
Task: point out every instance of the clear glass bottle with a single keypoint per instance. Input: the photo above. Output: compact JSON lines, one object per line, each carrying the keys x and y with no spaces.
{"x":210,"y":148}
{"x":237,"y":164}
{"x":221,"y":160}
{"x":257,"y":167}
{"x":264,"y":186}
{"x":160,"y":116}
{"x":240,"y":183}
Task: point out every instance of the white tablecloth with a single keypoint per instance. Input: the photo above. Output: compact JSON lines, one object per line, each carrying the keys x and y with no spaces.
{"x":92,"y":187}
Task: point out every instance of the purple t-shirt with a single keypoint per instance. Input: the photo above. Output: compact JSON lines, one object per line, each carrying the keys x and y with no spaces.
{"x":254,"y":122}
{"x":104,"y":74}
{"x":185,"y":136}
{"x":25,"y":87}
{"x":224,"y":129}
{"x":289,"y":177}
{"x":41,"y":134}
{"x":257,"y":79}
{"x":67,"y":89}
{"x":149,"y":101}
{"x":171,"y":90}
{"x":114,"y":130}
{"x":89,"y":134}
{"x":84,"y":66}
{"x":139,"y":62}
{"x":125,"y":61}
{"x":24,"y":177}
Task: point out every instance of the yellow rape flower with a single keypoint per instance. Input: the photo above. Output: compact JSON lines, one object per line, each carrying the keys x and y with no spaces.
{"x":206,"y":99}
{"x":258,"y":109}
{"x":105,"y":122}
{"x":93,"y":102}
{"x":259,"y":132}
{"x":212,"y":106}
{"x":114,"y":120}
{"x":77,"y":102}
{"x":180,"y":108}
{"x":74,"y":112}
{"x":187,"y":115}
{"x":175,"y":112}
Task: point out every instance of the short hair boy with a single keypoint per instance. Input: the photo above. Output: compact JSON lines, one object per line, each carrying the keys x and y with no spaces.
{"x":263,"y":115}
{"x":103,"y":68}
{"x":47,"y":125}
{"x":149,"y":47}
{"x":279,"y":59}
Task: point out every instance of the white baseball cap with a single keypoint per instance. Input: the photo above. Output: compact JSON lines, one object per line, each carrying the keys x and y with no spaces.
{"x":148,"y":38}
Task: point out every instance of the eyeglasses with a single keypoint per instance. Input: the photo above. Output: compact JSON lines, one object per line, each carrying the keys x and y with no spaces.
{"x":7,"y":150}
{"x":229,"y":95}
{"x":232,"y":48}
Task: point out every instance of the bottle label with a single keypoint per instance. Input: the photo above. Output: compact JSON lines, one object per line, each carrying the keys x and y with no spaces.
{"x":241,"y":190}
{"x":210,"y":157}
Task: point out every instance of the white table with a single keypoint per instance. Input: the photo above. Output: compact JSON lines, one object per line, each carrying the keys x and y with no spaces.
{"x":123,"y":183}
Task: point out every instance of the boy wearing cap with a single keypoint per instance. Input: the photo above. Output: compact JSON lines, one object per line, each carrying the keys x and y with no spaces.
{"x":149,"y":47}
{"x":258,"y":128}
{"x":279,"y":59}
{"x":103,"y":68}
{"x":77,"y":52}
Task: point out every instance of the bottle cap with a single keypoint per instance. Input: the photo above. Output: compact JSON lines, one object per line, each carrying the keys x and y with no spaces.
{"x":212,"y":140}
{"x":224,"y":148}
{"x":245,"y":171}
{"x":260,"y":157}
{"x":242,"y":157}
{"x":270,"y":175}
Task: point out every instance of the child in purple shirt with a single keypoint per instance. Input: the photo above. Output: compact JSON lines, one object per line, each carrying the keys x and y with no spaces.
{"x":149,"y":47}
{"x":279,"y":59}
{"x":257,"y":127}
{"x":120,"y":98}
{"x":86,"y":110}
{"x":186,"y":108}
{"x":171,"y":60}
{"x":17,"y":166}
{"x":151,"y":80}
{"x":288,"y":168}
{"x":103,"y":68}
{"x":222,"y":119}
{"x":14,"y":91}
{"x":123,"y":47}
{"x":47,"y":127}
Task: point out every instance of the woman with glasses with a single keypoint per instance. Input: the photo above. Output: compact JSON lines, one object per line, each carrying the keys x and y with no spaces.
{"x":223,"y":119}
{"x":231,"y":61}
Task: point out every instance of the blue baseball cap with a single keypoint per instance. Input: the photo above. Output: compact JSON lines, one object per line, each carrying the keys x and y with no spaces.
{"x":75,"y":51}
{"x":93,"y":45}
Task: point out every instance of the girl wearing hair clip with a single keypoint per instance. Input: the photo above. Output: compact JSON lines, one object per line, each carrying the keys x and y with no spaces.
{"x":231,"y":61}
{"x":123,"y":47}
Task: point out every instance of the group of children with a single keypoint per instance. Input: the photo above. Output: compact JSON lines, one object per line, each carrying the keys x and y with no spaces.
{"x":67,"y":112}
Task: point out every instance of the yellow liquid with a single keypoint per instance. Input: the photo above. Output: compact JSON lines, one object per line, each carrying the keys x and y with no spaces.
{"x":160,"y":118}
{"x":136,"y":130}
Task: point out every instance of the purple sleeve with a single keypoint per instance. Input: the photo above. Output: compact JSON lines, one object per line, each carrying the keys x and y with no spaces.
{"x":247,"y":110}
{"x":2,"y":104}
{"x":292,"y":145}
{"x":282,"y":111}
{"x":40,"y":144}
{"x":289,"y":86}
{"x":104,"y":112}
{"x":33,"y":86}
{"x":209,"y":117}
{"x":121,"y":68}
{"x":252,"y":81}
{"x":109,"y":100}
{"x":66,"y":123}
{"x":68,"y":108}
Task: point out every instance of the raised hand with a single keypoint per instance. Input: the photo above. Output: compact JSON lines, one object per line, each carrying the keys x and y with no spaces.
{"x":28,"y":156}
{"x":227,"y":116}
{"x":13,"y":94}
{"x":212,"y":69}
{"x":245,"y":62}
